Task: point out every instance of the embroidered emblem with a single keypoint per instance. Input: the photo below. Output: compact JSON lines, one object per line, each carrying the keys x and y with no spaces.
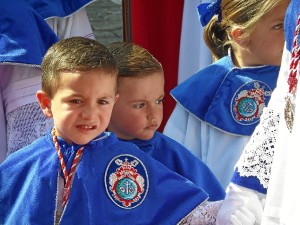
{"x":126,"y":181}
{"x":249,"y":101}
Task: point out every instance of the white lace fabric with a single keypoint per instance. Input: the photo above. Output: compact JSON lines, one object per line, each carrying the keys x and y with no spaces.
{"x":257,"y":157}
{"x":24,"y":125}
{"x":204,"y":214}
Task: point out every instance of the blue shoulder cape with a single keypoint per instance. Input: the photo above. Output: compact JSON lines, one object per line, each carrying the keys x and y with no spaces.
{"x":114,"y":183}
{"x":290,"y":22}
{"x":24,"y":34}
{"x":230,"y":99}
{"x":57,"y":8}
{"x":180,"y":160}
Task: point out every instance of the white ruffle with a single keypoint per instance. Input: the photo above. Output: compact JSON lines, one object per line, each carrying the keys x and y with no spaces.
{"x":257,"y":157}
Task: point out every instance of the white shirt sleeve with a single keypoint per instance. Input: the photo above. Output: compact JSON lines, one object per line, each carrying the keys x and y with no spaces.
{"x":218,"y":150}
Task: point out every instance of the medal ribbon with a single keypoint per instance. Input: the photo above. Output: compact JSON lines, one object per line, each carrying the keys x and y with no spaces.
{"x":68,"y":176}
{"x":292,"y":79}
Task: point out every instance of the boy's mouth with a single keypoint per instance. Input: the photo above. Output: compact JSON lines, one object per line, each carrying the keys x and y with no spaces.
{"x":87,"y":127}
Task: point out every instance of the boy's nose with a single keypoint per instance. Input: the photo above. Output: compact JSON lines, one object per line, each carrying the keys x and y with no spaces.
{"x":151,"y":113}
{"x":88,"y":113}
{"x":150,"y":116}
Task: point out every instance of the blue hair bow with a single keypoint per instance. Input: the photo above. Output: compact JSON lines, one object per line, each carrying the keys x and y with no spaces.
{"x":208,"y":10}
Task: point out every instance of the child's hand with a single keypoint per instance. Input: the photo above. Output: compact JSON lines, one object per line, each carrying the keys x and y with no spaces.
{"x":242,"y":206}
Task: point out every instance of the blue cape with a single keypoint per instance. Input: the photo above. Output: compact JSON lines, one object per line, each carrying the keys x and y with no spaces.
{"x":290,"y":23}
{"x":180,"y":160}
{"x":115,"y":183}
{"x":24,"y":34}
{"x":57,"y":8}
{"x":230,"y":99}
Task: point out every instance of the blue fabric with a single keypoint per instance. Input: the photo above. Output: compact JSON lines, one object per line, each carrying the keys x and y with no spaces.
{"x":180,"y":160}
{"x":206,"y":12}
{"x":24,"y":35}
{"x":28,"y":186}
{"x":220,"y":95}
{"x":290,"y":23}
{"x":57,"y":8}
{"x":250,"y":182}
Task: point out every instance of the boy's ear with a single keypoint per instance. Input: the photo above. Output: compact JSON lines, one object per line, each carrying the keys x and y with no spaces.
{"x":237,"y":35}
{"x":117,"y":97}
{"x":45,"y":103}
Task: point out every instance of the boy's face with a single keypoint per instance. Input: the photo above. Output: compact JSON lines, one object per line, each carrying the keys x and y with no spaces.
{"x":139,"y":110}
{"x":82,"y":105}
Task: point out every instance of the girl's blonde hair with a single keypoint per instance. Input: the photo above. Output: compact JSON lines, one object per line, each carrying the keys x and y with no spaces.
{"x":242,"y":13}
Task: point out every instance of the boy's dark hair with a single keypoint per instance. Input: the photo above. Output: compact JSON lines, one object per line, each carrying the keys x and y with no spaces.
{"x":74,"y":54}
{"x":133,"y":60}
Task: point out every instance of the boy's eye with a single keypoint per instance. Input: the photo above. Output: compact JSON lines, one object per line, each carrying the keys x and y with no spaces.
{"x":75,"y":101}
{"x":159,"y":101}
{"x":103,"y":102}
{"x":139,"y":105}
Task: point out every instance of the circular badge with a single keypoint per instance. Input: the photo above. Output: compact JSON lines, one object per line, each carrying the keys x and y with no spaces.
{"x":126,"y":181}
{"x":249,"y":101}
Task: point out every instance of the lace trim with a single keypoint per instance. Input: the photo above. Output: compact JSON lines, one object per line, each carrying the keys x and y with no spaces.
{"x":257,"y":156}
{"x":24,"y":125}
{"x":204,"y":214}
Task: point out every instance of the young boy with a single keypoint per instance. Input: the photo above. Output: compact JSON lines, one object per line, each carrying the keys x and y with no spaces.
{"x":79,"y":174}
{"x":139,"y":111}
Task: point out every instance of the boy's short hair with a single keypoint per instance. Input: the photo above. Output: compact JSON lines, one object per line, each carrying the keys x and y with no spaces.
{"x":133,"y":60}
{"x":74,"y":54}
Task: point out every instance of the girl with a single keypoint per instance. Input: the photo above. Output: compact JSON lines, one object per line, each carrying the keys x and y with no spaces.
{"x":219,"y":107}
{"x":270,"y":162}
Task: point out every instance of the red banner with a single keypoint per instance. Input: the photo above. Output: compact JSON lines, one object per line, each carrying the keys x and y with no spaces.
{"x":156,"y":26}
